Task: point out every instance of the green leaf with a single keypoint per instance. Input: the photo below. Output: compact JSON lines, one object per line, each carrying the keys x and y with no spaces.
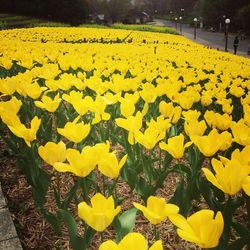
{"x":230,"y":206}
{"x":204,"y":187}
{"x":181,"y":199}
{"x":125,"y":223}
{"x":144,"y":189}
{"x":130,"y":176}
{"x":77,"y":242}
{"x":53,"y":220}
{"x":182,"y":169}
{"x":40,"y":187}
{"x":70,"y":195}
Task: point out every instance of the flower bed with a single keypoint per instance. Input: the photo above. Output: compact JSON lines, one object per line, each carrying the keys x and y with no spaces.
{"x":90,"y":112}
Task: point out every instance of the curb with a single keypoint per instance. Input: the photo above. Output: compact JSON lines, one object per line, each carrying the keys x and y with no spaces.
{"x":8,"y":235}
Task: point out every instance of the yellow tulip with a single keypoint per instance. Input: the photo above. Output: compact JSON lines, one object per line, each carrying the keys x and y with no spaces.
{"x":230,"y":176}
{"x":226,"y":140}
{"x":242,"y":156}
{"x":49,"y":104}
{"x":80,"y":164}
{"x":109,"y":165}
{"x":101,"y":214}
{"x":194,"y":127}
{"x":74,"y":132}
{"x":132,"y":241}
{"x":157,"y":209}
{"x":98,"y":108}
{"x":34,"y":90}
{"x":53,"y":152}
{"x":169,"y":111}
{"x":175,"y":146}
{"x":9,"y":110}
{"x":28,"y":134}
{"x":191,"y":115}
{"x":241,"y":133}
{"x":127,"y":108}
{"x":206,"y":99}
{"x":208,"y":144}
{"x":132,"y":124}
{"x":200,"y":228}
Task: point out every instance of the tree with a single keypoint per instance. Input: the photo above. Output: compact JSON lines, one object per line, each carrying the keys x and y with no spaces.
{"x":118,"y":9}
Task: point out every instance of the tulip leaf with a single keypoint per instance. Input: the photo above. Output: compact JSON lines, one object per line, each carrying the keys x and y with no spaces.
{"x":77,"y":242}
{"x":205,"y":190}
{"x":125,"y":223}
{"x":130,"y":176}
{"x":182,"y":169}
{"x":144,"y":189}
{"x":70,"y":195}
{"x":40,"y":187}
{"x":53,"y":220}
{"x":230,"y":206}
{"x":181,"y":198}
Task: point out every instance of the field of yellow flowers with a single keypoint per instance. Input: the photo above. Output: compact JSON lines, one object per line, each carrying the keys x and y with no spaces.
{"x":115,"y":106}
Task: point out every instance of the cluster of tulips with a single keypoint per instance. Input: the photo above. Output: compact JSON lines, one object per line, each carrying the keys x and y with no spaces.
{"x":130,"y":113}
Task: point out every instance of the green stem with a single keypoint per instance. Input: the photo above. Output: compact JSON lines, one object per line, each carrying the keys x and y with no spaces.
{"x":104,"y":185}
{"x":156,"y":233}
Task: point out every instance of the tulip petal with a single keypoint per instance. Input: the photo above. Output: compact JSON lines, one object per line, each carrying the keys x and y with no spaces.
{"x":246,"y":185}
{"x":133,"y":241}
{"x":211,"y":178}
{"x":157,"y":246}
{"x":180,"y":222}
{"x":191,"y":237}
{"x":108,"y":245}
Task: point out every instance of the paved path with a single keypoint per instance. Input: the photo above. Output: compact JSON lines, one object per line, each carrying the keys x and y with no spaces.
{"x":8,"y":235}
{"x":212,"y":39}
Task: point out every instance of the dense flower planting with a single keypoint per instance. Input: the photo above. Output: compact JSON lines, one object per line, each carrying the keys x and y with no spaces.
{"x":109,"y":105}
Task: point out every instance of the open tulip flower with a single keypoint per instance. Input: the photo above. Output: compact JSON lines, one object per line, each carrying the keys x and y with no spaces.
{"x":200,"y":228}
{"x":109,"y":165}
{"x":157,"y":209}
{"x":101,"y":214}
{"x":230,"y":176}
{"x":53,"y":152}
{"x":241,"y":133}
{"x":80,"y":164}
{"x":75,"y":132}
{"x":132,"y":241}
{"x":208,"y":144}
{"x":9,"y":110}
{"x":175,"y":146}
{"x":48,"y":104}
{"x":132,"y":124}
{"x":28,"y":134}
{"x":194,"y":127}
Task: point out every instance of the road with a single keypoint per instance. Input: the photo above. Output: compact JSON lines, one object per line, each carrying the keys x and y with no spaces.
{"x":212,"y":39}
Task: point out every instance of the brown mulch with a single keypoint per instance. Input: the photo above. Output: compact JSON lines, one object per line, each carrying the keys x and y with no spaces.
{"x":36,"y":233}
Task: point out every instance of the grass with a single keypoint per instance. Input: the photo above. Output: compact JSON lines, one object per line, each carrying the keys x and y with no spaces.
{"x":15,"y":21}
